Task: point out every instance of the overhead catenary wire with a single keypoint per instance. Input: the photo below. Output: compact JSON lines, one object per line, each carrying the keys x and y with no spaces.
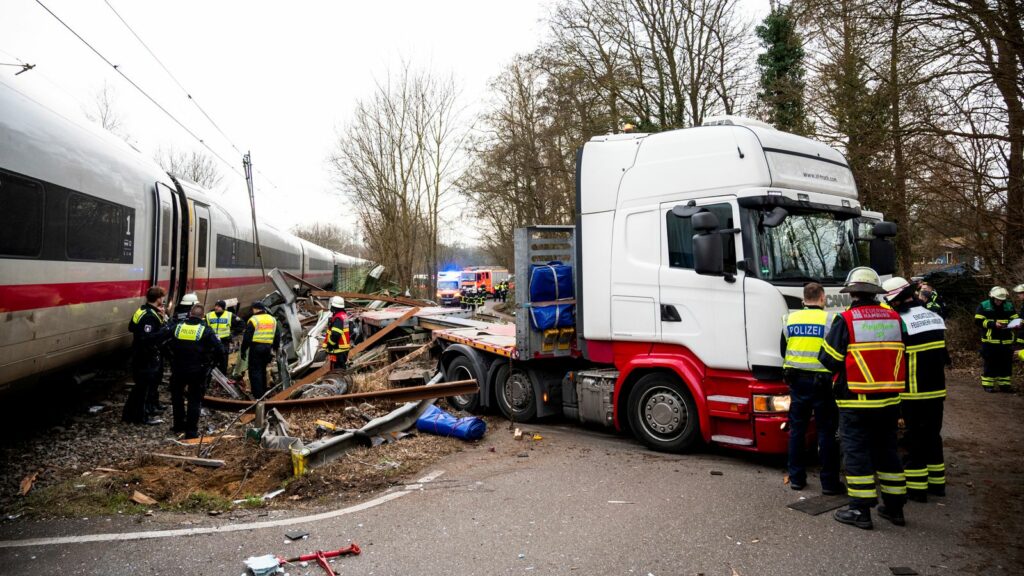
{"x":141,"y":91}
{"x":188,"y":94}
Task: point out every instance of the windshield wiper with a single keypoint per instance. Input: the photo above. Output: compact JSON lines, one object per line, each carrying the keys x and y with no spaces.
{"x":796,"y":278}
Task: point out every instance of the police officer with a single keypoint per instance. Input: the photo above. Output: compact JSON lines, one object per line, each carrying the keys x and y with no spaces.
{"x":865,"y":350}
{"x":148,"y":337}
{"x":195,"y":349}
{"x":810,"y":390}
{"x":225,"y":325}
{"x":922,"y":402}
{"x":993,"y":318}
{"x":259,"y":340}
{"x":337,"y":341}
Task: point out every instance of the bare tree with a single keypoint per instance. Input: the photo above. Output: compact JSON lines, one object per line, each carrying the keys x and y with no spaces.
{"x":396,"y":162}
{"x":330,"y":236}
{"x":198,"y":167}
{"x":103,"y":111}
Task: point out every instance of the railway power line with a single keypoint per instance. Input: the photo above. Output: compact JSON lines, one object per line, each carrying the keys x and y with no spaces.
{"x":141,"y":90}
{"x":187,"y":93}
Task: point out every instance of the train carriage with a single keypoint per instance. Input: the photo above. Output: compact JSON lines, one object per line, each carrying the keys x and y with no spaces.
{"x":87,"y":224}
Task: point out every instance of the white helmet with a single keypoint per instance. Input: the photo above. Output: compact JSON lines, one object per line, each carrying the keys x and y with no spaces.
{"x":1019,"y":288}
{"x":189,"y":300}
{"x":337,"y":302}
{"x":894,"y":287}
{"x":999,"y":293}
{"x":863,"y":279}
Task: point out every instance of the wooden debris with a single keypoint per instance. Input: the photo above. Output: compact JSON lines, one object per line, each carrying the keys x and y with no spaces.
{"x":109,"y":470}
{"x":407,"y":358}
{"x":205,"y":462}
{"x":140,"y":498}
{"x":28,"y":481}
{"x":196,"y":441}
{"x":380,"y":334}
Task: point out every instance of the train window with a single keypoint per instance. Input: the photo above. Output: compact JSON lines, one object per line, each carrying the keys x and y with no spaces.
{"x":99,"y":231}
{"x":21,"y":219}
{"x":203,"y":239}
{"x":165,"y":234}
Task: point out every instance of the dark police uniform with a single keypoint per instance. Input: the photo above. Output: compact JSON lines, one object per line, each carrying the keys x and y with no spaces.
{"x":865,"y":351}
{"x":148,"y":337}
{"x":195,"y":349}
{"x":810,"y":391}
{"x":922,"y":402}
{"x":259,"y":340}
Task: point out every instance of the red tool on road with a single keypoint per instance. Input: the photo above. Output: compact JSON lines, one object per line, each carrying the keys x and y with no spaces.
{"x":321,"y":557}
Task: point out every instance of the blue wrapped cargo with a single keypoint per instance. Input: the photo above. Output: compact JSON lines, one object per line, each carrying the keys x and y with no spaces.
{"x":551,"y":282}
{"x":553,"y":316}
{"x":436,"y":421}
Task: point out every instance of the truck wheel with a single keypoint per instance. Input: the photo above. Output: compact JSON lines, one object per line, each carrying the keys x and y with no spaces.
{"x":662,"y":414}
{"x":513,"y":392}
{"x":461,"y":368}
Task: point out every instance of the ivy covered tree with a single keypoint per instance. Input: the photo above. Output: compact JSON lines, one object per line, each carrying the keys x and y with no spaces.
{"x":781,"y":67}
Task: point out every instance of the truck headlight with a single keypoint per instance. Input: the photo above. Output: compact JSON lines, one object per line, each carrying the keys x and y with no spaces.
{"x":771,"y":403}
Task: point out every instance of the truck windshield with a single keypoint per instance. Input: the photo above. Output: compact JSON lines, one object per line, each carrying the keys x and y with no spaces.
{"x":807,"y":246}
{"x":447,"y":284}
{"x":469,"y":276}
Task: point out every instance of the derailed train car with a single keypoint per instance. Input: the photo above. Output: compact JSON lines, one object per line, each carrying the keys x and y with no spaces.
{"x":87,"y":224}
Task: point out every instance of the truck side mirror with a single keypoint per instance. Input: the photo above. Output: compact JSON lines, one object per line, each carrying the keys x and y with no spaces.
{"x":881,"y":251}
{"x":707,"y":245}
{"x":884,"y":230}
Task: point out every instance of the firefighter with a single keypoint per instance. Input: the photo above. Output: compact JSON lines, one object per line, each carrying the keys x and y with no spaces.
{"x":195,"y":349}
{"x":993,"y":318}
{"x":259,"y":340}
{"x":931,"y":299}
{"x":338,"y":342}
{"x":148,"y":337}
{"x":225,"y":325}
{"x":922,"y":403}
{"x":810,"y":390}
{"x":181,"y":311}
{"x":865,"y":350}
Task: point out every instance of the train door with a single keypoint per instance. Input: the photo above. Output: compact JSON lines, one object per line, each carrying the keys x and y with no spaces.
{"x":201,"y":256}
{"x":165,"y":242}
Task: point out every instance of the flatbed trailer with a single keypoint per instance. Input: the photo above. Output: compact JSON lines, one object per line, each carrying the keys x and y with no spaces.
{"x":689,"y":249}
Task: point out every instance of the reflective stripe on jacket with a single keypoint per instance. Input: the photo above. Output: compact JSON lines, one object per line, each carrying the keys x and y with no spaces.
{"x":875,"y":361}
{"x":986,"y":316}
{"x":189,"y":332}
{"x":264,"y":326}
{"x":926,"y":353}
{"x":805,"y":333}
{"x":337,"y":334}
{"x":221,"y":324}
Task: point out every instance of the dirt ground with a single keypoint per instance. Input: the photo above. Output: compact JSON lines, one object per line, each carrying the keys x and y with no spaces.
{"x":91,"y":463}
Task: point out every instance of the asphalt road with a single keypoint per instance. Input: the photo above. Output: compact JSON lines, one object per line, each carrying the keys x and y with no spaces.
{"x":575,"y":502}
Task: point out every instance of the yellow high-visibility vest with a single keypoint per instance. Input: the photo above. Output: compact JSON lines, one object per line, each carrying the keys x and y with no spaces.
{"x":265,"y":325}
{"x":805,"y":333}
{"x":189,"y":332}
{"x":221,"y":324}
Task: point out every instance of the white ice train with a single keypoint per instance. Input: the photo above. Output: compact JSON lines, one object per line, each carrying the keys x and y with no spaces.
{"x":87,"y":224}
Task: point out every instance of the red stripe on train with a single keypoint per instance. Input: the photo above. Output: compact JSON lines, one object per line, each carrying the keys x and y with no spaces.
{"x":18,"y":297}
{"x":31,"y":296}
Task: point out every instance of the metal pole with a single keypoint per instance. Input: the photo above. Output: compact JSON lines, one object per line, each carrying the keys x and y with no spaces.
{"x":247,"y":166}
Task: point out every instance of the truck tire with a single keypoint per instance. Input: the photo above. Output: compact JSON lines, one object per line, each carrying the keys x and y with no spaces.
{"x":461,"y":368}
{"x":662,"y":413}
{"x":514,"y":394}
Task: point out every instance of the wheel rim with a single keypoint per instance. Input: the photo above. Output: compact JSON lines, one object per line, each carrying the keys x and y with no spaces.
{"x":663,"y":413}
{"x":517,"y":393}
{"x":462,"y":373}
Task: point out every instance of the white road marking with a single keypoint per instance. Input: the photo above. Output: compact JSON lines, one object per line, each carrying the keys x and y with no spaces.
{"x":146,"y":535}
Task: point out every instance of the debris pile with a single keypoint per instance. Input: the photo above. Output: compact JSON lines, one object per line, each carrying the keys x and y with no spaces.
{"x":317,"y":434}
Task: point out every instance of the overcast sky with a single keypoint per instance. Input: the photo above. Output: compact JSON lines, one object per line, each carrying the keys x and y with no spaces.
{"x":280,"y":78}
